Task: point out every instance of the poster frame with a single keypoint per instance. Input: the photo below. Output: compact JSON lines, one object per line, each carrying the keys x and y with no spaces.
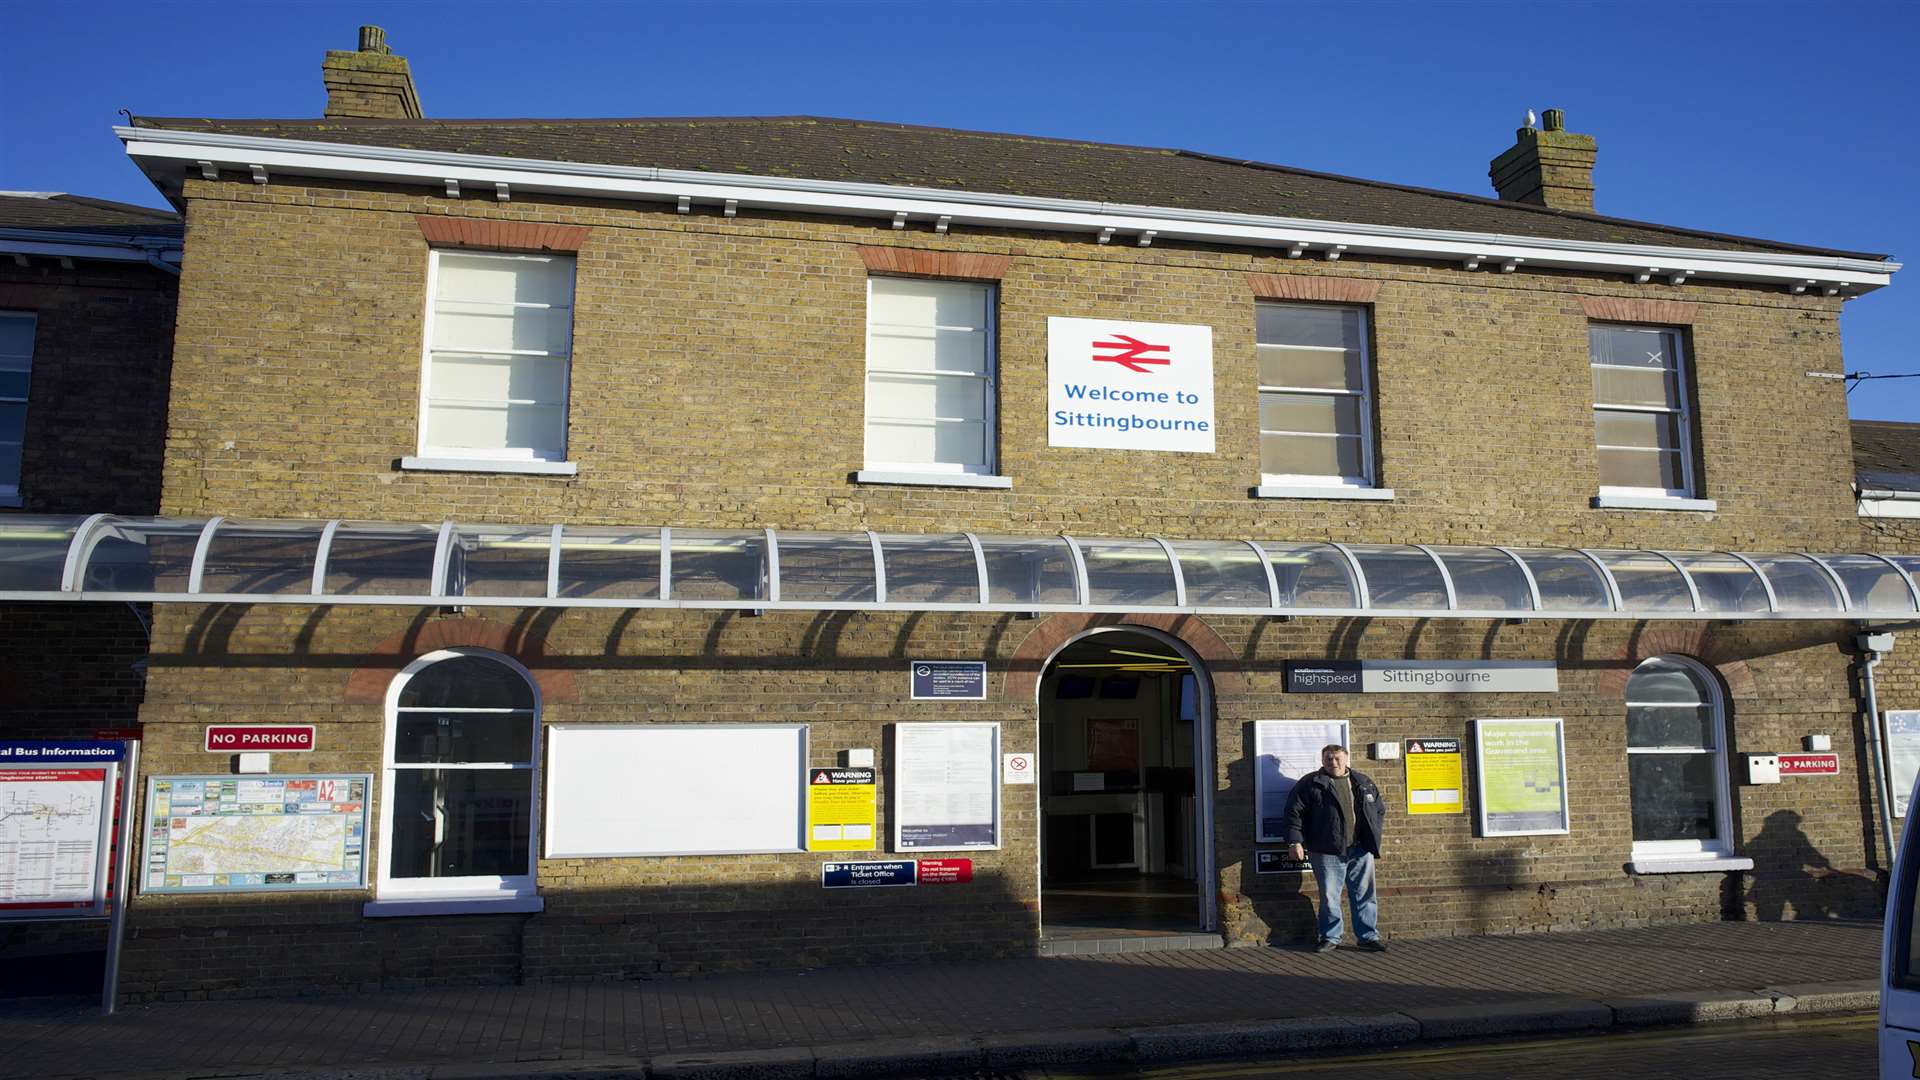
{"x":113,"y":799}
{"x":1345,"y":739}
{"x":146,"y":837}
{"x":1899,"y":790}
{"x":1460,"y":774}
{"x":896,"y":786}
{"x":1480,"y":815}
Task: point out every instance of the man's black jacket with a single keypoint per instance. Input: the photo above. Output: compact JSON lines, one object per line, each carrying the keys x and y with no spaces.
{"x":1314,"y":819}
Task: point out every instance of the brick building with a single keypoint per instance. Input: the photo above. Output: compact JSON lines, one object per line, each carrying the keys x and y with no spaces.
{"x":589,"y":486}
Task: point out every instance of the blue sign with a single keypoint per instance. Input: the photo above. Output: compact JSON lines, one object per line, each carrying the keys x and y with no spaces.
{"x":1276,"y":862}
{"x":867,"y":875}
{"x":965,"y":680}
{"x":59,"y":752}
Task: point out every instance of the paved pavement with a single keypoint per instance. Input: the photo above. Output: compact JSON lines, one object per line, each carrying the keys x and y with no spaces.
{"x":1132,"y":1007}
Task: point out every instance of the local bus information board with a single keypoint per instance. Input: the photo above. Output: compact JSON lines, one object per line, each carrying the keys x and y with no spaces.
{"x":56,"y":811}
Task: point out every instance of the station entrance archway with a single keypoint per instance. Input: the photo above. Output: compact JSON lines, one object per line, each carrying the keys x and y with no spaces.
{"x":1125,"y":785}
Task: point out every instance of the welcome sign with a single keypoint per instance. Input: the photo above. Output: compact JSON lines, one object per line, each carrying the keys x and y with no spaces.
{"x":1129,"y":385}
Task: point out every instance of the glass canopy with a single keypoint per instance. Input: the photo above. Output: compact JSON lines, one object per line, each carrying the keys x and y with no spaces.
{"x":220,"y":560}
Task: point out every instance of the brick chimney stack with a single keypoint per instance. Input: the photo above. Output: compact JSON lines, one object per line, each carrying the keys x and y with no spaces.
{"x":1549,"y":167}
{"x":371,"y":82}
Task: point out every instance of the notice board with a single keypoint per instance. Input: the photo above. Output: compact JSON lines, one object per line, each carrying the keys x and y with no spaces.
{"x":267,"y":833}
{"x":1520,"y":767}
{"x":1903,"y":755}
{"x":56,"y":818}
{"x":946,"y":786}
{"x":675,"y":789}
{"x":1435,"y":783}
{"x":1285,"y":751}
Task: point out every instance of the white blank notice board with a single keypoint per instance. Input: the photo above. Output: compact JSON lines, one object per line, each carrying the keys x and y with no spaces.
{"x":675,"y":789}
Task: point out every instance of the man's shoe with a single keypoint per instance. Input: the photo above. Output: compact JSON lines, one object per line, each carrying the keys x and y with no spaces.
{"x":1326,"y":946}
{"x":1373,"y":945}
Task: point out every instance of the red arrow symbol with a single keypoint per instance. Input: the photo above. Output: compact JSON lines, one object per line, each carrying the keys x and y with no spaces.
{"x":1131,"y":353}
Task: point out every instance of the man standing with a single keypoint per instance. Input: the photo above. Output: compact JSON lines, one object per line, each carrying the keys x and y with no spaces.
{"x":1333,"y":821}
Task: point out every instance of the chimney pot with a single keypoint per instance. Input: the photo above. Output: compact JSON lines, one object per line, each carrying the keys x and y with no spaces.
{"x":374,"y":40}
{"x":1551,"y":167}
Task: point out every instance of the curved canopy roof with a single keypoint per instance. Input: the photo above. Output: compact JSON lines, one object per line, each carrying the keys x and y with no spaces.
{"x":228,"y":560}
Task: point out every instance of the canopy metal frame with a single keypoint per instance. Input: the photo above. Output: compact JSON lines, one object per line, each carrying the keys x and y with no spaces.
{"x":49,"y":559}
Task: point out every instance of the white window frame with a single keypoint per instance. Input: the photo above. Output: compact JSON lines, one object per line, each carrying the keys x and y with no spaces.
{"x":1676,"y":339}
{"x":10,"y":492}
{"x":903,"y":471}
{"x":428,"y":451}
{"x":1721,"y":846}
{"x":1369,"y":478}
{"x":478,"y":892}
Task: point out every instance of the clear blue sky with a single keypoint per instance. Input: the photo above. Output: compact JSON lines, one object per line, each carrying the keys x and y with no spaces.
{"x":1789,"y":121}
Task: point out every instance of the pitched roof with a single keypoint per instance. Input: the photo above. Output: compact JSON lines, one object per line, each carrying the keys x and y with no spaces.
{"x":821,"y":148}
{"x":54,"y":211}
{"x":1886,"y":455}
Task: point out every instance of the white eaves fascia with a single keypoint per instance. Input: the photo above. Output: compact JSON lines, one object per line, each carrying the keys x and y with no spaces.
{"x":52,"y":243}
{"x":150,"y":146}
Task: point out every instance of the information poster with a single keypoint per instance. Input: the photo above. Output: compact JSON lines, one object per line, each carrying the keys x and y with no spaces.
{"x":841,"y":809}
{"x":1522,"y":772}
{"x":208,"y":834}
{"x":1903,"y":755}
{"x":56,"y":802}
{"x":1435,"y":779}
{"x":1285,"y":751}
{"x":946,"y":786}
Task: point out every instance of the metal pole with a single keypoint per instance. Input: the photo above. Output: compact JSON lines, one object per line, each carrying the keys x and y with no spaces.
{"x":122,"y":877}
{"x":1874,"y":758}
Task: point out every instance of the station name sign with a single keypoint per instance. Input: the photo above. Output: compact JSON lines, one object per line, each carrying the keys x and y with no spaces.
{"x":249,"y":738}
{"x":1423,"y":677}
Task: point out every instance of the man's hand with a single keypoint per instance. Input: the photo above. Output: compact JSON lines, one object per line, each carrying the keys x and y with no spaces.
{"x":1297,"y":853}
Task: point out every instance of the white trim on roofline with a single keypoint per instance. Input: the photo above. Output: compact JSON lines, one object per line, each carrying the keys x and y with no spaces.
{"x":266,"y":157}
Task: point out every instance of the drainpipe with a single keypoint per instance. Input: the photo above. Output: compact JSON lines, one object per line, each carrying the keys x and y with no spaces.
{"x":1874,"y":646}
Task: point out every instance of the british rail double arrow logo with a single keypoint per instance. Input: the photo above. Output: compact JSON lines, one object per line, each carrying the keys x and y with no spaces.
{"x":1131,"y":353}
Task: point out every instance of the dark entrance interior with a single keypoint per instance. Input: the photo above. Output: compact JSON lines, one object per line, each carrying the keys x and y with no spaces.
{"x":1117,"y":798}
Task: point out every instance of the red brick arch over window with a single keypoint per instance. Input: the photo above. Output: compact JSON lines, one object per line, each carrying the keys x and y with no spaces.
{"x":1030,"y":659}
{"x":1690,"y":642}
{"x":368,"y":684}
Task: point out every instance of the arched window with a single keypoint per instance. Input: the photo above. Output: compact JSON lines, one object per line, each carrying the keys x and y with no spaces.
{"x":1677,"y":761}
{"x":460,"y":780}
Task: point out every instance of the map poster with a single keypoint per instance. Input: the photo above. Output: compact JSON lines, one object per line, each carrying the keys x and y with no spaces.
{"x":946,"y":786}
{"x":1434,"y":777}
{"x":56,"y":819}
{"x":1285,"y":751}
{"x":841,"y":811}
{"x":210,"y":834}
{"x":1903,"y":755}
{"x":1522,"y":772}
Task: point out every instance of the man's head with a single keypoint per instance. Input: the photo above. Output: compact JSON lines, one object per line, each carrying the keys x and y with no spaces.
{"x":1334,"y":759}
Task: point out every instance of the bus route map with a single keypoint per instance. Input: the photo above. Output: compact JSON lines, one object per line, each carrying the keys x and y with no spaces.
{"x":255,"y":834}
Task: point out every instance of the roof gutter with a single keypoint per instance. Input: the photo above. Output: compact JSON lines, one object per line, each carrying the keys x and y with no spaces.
{"x":160,"y":151}
{"x":158,"y":251}
{"x":1876,"y":494}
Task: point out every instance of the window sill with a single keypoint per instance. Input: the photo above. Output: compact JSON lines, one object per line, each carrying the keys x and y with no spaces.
{"x":11,"y":502}
{"x":453,"y":905}
{"x":1690,"y":864}
{"x":1643,"y":502}
{"x":966,"y":480}
{"x":1308,"y":491}
{"x":486,"y":465}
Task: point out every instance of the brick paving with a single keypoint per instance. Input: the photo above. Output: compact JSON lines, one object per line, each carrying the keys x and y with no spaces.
{"x":602,"y":1021}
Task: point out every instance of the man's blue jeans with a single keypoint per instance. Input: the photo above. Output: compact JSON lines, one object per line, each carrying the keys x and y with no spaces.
{"x":1351,"y":874}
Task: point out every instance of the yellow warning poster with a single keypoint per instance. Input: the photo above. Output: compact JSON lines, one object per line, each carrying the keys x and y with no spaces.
{"x":1434,"y":777}
{"x":841,"y":810}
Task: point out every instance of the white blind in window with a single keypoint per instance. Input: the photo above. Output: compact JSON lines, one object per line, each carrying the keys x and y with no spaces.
{"x":929,"y":375}
{"x":1313,"y":393}
{"x":502,"y":328}
{"x":1639,"y":411}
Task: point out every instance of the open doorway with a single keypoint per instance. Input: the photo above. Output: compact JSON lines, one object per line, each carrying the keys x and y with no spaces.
{"x":1124,"y":789}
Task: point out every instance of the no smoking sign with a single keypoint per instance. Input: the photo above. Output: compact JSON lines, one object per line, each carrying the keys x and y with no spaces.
{"x":1016,"y":768}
